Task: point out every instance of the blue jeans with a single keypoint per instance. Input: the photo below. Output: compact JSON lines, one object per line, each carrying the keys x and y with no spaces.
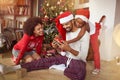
{"x":16,"y":52}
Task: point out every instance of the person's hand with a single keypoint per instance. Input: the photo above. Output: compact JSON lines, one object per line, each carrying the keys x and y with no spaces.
{"x":56,"y":42}
{"x":64,"y":46}
{"x":17,"y":61}
{"x":54,"y":45}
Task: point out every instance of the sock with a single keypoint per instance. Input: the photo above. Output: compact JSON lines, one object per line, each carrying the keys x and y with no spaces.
{"x":6,"y":69}
{"x":63,"y":53}
{"x":2,"y":68}
{"x":17,"y":67}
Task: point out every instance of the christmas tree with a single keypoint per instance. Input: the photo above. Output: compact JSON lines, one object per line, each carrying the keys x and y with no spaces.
{"x":49,"y":10}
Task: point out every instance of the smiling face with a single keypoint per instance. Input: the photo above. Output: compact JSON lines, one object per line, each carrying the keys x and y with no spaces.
{"x":68,"y":26}
{"x":79,"y":22}
{"x":38,"y":30}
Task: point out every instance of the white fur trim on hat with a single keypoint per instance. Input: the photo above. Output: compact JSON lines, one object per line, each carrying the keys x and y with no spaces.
{"x":82,"y":17}
{"x":66,"y":19}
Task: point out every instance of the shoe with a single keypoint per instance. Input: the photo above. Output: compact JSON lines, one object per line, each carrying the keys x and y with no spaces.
{"x":96,"y":71}
{"x":6,"y":69}
{"x":58,"y":67}
{"x":2,"y":68}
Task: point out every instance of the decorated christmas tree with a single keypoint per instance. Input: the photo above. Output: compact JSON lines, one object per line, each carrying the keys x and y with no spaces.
{"x":48,"y":12}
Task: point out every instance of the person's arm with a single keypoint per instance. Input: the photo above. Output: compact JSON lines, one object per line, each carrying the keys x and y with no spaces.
{"x":80,"y":35}
{"x":54,"y":42}
{"x":87,"y":27}
{"x":22,"y":51}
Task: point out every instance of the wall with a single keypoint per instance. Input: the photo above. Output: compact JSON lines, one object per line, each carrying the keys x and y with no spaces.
{"x":115,"y":47}
{"x":97,"y":9}
{"x":117,"y":12}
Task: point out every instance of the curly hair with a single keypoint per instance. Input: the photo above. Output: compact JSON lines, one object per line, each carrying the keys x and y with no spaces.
{"x":30,"y":24}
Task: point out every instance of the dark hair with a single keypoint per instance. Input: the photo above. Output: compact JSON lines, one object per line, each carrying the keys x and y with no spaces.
{"x":30,"y":24}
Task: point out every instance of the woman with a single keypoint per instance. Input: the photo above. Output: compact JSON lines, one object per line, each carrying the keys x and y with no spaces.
{"x":30,"y":45}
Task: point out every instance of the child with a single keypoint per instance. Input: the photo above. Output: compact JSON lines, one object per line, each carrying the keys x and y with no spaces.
{"x":94,"y":32}
{"x":29,"y":47}
{"x":81,"y":33}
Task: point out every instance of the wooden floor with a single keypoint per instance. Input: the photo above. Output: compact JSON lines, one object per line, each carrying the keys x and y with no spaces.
{"x":109,"y":71}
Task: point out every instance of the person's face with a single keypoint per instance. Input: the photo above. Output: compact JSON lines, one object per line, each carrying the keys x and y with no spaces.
{"x":79,"y":22}
{"x":68,"y":26}
{"x":38,"y":30}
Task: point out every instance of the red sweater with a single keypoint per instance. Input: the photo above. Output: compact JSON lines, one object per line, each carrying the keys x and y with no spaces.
{"x":28,"y":43}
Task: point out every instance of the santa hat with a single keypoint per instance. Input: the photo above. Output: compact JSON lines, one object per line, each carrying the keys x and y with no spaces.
{"x":84,"y":14}
{"x":63,"y":18}
{"x":66,"y":17}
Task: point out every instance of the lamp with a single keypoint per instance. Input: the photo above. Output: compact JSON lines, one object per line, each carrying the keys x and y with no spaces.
{"x":116,"y":34}
{"x":116,"y":37}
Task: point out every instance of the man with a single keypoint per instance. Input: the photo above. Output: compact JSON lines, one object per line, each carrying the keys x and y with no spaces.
{"x":73,"y":61}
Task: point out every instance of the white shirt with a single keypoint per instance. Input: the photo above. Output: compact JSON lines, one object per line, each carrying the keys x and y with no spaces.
{"x":92,"y":27}
{"x":81,"y":45}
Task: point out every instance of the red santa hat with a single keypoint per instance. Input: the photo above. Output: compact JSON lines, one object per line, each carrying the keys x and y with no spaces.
{"x":63,"y":18}
{"x":66,"y":17}
{"x":84,"y":14}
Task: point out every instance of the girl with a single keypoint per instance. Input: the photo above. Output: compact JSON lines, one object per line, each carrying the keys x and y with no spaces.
{"x":29,"y":47}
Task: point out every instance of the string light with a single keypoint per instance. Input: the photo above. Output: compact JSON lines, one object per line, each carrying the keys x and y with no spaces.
{"x":56,"y":14}
{"x":47,"y":4}
{"x":52,"y":8}
{"x":58,"y":2}
{"x":46,"y":16}
{"x":66,"y":9}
